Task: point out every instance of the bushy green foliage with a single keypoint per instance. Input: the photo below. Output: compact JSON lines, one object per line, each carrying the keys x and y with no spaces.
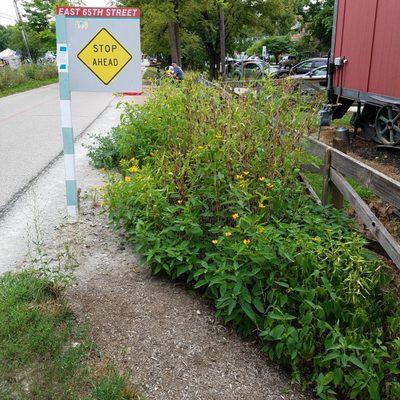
{"x":209,"y":194}
{"x":10,"y":78}
{"x":276,"y":45}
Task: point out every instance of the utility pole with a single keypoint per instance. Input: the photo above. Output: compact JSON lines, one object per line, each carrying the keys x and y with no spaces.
{"x":22,"y":30}
{"x":222,"y":40}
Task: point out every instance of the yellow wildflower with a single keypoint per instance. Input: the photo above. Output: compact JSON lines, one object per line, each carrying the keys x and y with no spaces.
{"x":235,"y":216}
{"x":134,"y":169}
{"x":261,"y":178}
{"x":270,"y":185}
{"x":246,"y":241}
{"x":228,"y":234}
{"x":261,"y":205}
{"x":180,"y":201}
{"x":245,"y":173}
{"x":239,"y":177}
{"x":128,"y":179}
{"x":214,"y":242}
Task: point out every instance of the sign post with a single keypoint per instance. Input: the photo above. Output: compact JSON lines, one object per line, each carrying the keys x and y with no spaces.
{"x":98,"y":50}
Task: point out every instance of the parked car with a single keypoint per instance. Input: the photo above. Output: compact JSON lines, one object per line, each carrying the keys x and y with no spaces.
{"x":288,"y":61}
{"x":308,"y":65}
{"x":251,"y":70}
{"x":313,"y":81}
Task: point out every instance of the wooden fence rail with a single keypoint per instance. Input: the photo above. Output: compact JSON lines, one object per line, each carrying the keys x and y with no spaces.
{"x":336,"y":166}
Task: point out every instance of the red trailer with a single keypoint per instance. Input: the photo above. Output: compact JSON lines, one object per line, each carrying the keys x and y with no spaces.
{"x":365,"y":66}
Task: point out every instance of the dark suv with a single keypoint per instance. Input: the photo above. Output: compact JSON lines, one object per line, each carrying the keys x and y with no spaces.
{"x":308,"y":65}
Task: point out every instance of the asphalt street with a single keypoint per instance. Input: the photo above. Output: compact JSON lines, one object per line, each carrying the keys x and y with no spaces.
{"x":30,"y":133}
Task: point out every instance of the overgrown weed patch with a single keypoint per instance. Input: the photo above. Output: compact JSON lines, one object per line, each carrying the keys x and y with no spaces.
{"x":206,"y":187}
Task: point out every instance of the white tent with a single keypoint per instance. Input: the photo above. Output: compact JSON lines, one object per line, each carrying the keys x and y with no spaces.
{"x":11,"y":57}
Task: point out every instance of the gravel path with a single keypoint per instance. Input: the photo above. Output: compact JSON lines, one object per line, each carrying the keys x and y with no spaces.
{"x":165,"y":335}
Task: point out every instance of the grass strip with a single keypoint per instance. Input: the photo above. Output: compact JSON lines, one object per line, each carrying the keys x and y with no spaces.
{"x":23,"y":87}
{"x":44,"y":353}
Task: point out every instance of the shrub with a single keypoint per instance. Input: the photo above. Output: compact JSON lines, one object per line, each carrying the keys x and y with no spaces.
{"x":10,"y":78}
{"x":209,"y":193}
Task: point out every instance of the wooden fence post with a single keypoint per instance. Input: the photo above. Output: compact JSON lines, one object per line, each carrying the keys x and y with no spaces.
{"x":329,"y":189}
{"x":326,"y":172}
{"x":337,"y":196}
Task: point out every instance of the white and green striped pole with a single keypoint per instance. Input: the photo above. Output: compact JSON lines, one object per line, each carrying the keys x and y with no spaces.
{"x":66,"y":119}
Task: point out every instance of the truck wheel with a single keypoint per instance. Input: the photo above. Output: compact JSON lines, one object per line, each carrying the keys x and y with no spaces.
{"x":387,"y":125}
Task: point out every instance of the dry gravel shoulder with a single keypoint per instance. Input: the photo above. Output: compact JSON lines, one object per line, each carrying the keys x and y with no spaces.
{"x":165,"y":335}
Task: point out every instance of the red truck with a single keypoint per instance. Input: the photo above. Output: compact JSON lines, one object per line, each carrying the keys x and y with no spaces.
{"x":364,"y":67}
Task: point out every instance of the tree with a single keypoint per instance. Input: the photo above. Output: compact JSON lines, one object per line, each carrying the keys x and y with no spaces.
{"x":160,"y":26}
{"x":5,"y":34}
{"x":38,"y":42}
{"x":276,"y":45}
{"x":243,"y":19}
{"x":38,"y":13}
{"x":318,"y":17}
{"x":191,"y":28}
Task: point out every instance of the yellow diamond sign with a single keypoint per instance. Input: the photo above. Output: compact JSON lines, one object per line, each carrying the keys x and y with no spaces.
{"x":105,"y":56}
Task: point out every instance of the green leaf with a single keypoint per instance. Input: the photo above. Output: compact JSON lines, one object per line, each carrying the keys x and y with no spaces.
{"x":232,"y":305}
{"x":249,"y":312}
{"x":181,"y":270}
{"x":200,"y":283}
{"x":338,"y":376}
{"x":277,"y":332}
{"x":332,"y":355}
{"x":354,"y":360}
{"x":326,"y":379}
{"x":373,"y":390}
{"x":283,"y":284}
{"x":280,"y":317}
{"x":258,"y":305}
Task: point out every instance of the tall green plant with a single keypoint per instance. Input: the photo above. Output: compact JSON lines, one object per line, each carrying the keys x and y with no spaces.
{"x":208,"y":192}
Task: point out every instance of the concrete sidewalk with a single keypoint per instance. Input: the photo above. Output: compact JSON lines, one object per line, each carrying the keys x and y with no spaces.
{"x":30,"y":133}
{"x":43,"y":204}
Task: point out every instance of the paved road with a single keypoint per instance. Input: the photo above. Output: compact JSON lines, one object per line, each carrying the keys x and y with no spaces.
{"x":30,"y":132}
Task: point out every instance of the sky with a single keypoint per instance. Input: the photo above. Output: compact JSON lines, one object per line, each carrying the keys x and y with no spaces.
{"x":7,"y":11}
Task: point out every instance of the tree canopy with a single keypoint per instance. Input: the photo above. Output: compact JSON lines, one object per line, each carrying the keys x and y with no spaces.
{"x":38,"y":13}
{"x":4,"y":37}
{"x":318,"y":17}
{"x":188,"y":31}
{"x":198,"y":23}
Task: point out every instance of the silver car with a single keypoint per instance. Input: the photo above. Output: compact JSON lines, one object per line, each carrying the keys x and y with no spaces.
{"x":313,"y":81}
